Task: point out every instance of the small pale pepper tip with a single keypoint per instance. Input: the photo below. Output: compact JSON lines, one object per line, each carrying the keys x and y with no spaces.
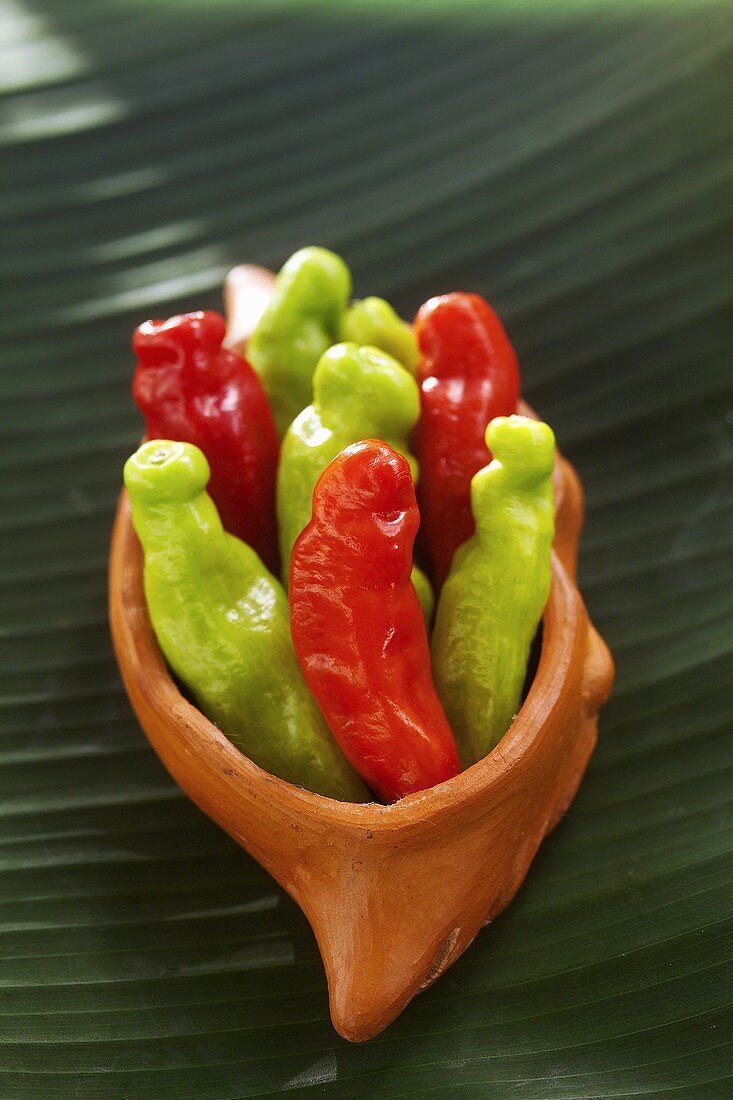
{"x":525,"y":448}
{"x":166,"y":470}
{"x":368,"y":387}
{"x":372,"y":321}
{"x":324,"y":261}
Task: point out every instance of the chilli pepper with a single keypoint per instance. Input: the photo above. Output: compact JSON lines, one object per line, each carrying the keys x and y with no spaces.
{"x":188,"y":387}
{"x":301,"y":320}
{"x":373,"y":322}
{"x":357,"y":393}
{"x":308,"y":312}
{"x":222,"y":622}
{"x":493,"y":599}
{"x":358,"y":628}
{"x":468,"y":375}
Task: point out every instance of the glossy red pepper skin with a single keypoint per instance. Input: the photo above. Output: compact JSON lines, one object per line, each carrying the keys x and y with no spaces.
{"x":191,"y":389}
{"x":358,"y":628}
{"x":468,"y":374}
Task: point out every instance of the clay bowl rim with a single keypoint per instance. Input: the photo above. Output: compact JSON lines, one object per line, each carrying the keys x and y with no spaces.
{"x":141,"y":659}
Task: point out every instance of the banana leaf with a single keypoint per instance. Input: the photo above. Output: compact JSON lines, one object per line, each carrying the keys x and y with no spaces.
{"x":573,"y":161}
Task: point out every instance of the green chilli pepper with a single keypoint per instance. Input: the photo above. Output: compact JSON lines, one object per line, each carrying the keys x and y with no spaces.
{"x":358,"y":393}
{"x":307,"y":313}
{"x":301,"y":320}
{"x":223,"y":624}
{"x":496,"y":591}
{"x":374,"y":323}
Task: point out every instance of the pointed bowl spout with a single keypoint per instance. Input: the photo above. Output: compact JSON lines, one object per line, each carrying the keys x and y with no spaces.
{"x":394,"y":894}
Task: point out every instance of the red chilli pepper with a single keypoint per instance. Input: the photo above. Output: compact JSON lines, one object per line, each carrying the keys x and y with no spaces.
{"x":468,"y":374}
{"x":358,"y":628}
{"x":191,"y":389}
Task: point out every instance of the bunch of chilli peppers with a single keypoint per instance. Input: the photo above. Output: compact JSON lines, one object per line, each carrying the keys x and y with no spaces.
{"x":278,"y":497}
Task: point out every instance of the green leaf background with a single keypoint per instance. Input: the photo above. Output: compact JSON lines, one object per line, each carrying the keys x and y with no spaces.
{"x":574,"y":162}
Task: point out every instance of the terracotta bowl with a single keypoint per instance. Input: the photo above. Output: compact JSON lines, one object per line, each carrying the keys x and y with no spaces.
{"x":394,"y":894}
